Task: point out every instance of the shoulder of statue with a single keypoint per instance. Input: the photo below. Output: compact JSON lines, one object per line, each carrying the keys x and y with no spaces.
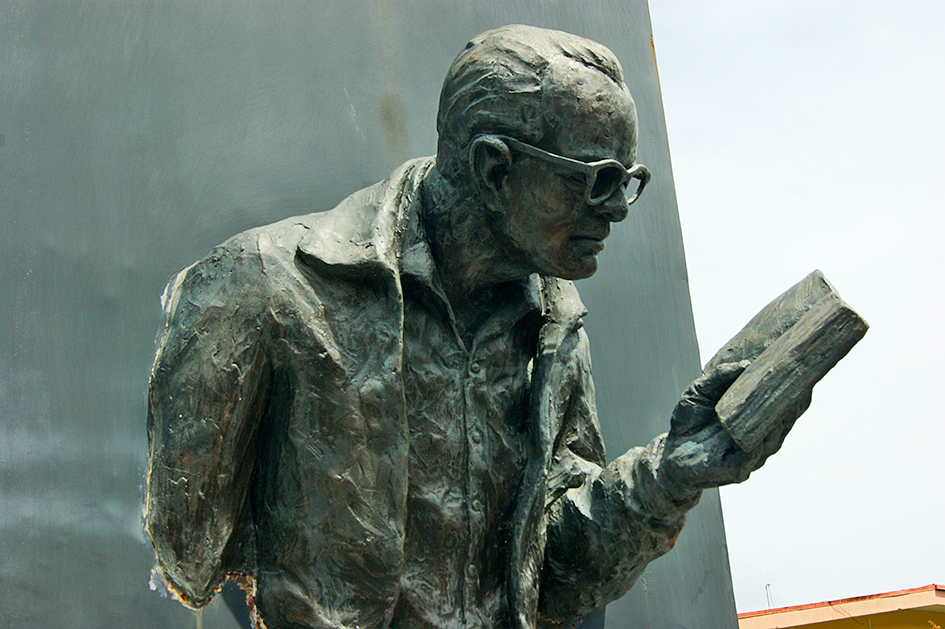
{"x":364,"y":231}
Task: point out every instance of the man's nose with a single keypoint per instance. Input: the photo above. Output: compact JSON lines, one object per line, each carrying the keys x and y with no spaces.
{"x":615,"y":208}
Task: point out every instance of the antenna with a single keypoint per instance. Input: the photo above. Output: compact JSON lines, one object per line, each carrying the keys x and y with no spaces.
{"x":768,"y":595}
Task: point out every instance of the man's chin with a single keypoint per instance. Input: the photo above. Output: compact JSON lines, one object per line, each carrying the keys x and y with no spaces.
{"x":580,"y":269}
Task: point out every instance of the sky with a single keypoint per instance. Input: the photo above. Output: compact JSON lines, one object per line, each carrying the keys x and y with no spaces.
{"x":809,"y":134}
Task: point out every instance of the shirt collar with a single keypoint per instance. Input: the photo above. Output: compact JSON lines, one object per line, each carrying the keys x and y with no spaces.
{"x":416,"y":262}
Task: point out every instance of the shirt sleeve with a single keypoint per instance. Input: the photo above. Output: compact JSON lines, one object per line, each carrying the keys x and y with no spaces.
{"x":605,"y":523}
{"x":207,"y":393}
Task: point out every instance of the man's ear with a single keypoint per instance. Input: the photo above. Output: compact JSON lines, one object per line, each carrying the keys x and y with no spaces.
{"x":489,"y":165}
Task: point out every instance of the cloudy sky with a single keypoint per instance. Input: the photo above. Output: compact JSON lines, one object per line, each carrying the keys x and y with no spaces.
{"x":809,"y":134}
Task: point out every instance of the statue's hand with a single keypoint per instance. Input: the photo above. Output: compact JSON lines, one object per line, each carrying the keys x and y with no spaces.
{"x":698,"y":452}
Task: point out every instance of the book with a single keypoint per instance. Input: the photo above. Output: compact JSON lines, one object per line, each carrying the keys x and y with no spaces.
{"x":792,"y":343}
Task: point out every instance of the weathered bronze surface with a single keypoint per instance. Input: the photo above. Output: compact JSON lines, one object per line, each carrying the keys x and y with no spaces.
{"x":383,"y":415}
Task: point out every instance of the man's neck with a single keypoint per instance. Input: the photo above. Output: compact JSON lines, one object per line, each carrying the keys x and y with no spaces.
{"x":469,"y":256}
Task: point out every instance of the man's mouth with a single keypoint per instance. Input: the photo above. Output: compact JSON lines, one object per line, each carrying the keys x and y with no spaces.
{"x":593,"y":235}
{"x":594,"y":242}
{"x":593,"y":231}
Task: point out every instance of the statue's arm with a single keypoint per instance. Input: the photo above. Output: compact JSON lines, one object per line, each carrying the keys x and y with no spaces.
{"x":207,"y":392}
{"x":603,"y":533}
{"x":607,"y":523}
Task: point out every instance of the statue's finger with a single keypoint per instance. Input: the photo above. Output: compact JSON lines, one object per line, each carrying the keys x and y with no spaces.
{"x":716,"y":381}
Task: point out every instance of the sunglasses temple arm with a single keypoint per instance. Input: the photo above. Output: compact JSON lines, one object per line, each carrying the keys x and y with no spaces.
{"x":642,"y":173}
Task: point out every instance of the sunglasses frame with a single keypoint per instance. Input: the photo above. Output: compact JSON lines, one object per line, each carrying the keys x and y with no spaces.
{"x":588,"y":169}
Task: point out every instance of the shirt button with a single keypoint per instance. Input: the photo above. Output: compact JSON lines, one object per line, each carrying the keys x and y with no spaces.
{"x":476,"y":505}
{"x":471,"y":571}
{"x":475,"y":368}
{"x":476,"y":436}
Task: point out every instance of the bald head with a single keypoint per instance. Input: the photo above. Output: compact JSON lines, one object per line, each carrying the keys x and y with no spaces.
{"x":516,"y":80}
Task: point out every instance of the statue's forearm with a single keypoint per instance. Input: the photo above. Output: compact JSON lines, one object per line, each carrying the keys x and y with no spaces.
{"x":603,"y":534}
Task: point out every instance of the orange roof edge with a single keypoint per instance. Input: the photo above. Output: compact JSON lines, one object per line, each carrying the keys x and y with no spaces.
{"x":841,"y":601}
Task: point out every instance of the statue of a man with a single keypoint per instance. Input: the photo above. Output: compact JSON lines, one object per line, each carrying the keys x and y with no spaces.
{"x":384,"y":414}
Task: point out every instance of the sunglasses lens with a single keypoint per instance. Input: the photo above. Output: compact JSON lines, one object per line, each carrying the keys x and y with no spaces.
{"x":608,"y":179}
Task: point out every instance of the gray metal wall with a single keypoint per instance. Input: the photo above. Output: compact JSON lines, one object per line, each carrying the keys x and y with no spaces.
{"x":134,"y":136}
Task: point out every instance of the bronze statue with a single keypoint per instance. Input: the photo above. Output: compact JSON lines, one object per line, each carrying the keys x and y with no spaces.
{"x":383,"y":415}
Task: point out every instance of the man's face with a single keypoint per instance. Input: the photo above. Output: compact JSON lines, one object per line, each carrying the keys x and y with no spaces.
{"x":547,"y":219}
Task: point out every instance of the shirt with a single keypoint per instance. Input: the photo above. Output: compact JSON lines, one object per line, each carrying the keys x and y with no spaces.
{"x":283,"y":448}
{"x":465,"y":412}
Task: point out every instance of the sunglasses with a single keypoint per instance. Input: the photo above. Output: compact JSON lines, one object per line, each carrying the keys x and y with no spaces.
{"x":601,"y":178}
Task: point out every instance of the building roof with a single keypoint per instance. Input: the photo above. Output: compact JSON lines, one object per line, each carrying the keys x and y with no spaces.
{"x":930,"y":598}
